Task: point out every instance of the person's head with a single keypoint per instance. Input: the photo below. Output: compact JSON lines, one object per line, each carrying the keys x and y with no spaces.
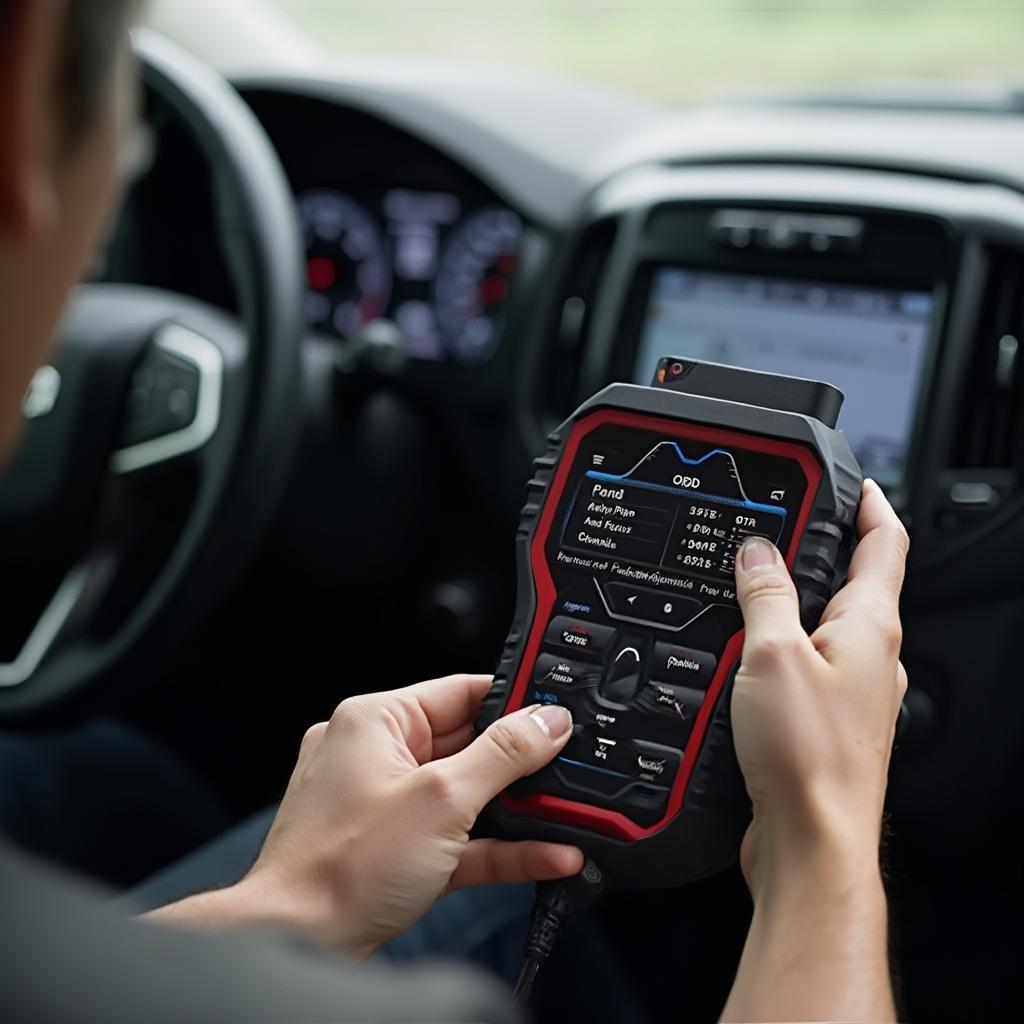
{"x":66,"y":111}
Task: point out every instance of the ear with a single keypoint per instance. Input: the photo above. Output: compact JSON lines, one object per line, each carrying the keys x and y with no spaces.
{"x":30,"y":41}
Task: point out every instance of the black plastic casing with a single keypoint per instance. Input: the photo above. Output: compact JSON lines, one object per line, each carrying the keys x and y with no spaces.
{"x":705,"y":835}
{"x":813,"y":398}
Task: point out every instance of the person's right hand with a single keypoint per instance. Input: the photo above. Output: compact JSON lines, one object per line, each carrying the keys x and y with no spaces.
{"x":814,"y":717}
{"x":375,"y":823}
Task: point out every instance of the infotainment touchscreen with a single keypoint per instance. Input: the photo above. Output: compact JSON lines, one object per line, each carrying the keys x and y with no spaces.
{"x":869,"y":342}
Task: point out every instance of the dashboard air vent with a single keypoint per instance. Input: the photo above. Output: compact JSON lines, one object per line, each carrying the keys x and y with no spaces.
{"x":989,"y":454}
{"x":572,"y":318}
{"x":991,"y":432}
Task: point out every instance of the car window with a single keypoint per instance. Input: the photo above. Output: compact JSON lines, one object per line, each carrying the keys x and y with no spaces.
{"x":680,"y":52}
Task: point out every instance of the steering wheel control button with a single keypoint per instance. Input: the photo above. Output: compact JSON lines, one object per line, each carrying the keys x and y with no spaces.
{"x":650,"y":607}
{"x":173,"y":406}
{"x":163,"y":396}
{"x":551,"y":670}
{"x":586,"y":638}
{"x":683,"y":666}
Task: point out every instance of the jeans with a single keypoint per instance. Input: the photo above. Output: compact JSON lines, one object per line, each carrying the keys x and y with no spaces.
{"x":485,"y":926}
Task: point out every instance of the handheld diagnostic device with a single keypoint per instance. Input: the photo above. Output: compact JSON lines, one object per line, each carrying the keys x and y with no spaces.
{"x":626,"y":610}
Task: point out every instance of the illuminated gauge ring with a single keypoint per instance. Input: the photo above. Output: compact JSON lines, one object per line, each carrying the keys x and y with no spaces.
{"x":473,"y":281}
{"x":348,"y":262}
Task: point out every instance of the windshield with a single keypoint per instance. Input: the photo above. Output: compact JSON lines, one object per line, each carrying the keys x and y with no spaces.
{"x":681,"y":52}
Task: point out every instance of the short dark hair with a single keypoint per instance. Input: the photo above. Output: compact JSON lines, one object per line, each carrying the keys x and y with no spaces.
{"x":92,"y":32}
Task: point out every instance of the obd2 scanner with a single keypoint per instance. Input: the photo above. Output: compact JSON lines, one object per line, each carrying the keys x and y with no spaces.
{"x":626,"y":610}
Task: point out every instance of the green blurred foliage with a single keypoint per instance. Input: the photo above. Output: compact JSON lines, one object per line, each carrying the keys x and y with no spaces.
{"x":682,"y":52}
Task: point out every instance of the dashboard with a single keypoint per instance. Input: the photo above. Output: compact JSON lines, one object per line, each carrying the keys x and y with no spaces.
{"x":518,"y":277}
{"x":520,"y":268}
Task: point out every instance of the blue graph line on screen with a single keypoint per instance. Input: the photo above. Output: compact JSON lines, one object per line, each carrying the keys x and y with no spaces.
{"x":733,"y":469}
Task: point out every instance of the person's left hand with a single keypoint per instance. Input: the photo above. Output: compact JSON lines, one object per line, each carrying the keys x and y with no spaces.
{"x":374,"y":826}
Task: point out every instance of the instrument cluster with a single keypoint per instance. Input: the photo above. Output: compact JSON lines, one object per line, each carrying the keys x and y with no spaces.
{"x":439,"y":267}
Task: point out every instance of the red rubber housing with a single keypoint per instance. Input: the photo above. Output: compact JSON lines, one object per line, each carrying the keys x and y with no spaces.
{"x":602,"y":819}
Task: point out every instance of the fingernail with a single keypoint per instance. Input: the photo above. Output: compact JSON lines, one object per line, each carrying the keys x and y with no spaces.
{"x":757,"y":551}
{"x":553,"y":719}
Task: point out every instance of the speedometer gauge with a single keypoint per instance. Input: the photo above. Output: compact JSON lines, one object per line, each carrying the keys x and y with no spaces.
{"x":348,"y":265}
{"x":473,"y":279}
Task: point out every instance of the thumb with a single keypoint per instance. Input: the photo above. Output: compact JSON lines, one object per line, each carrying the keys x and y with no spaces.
{"x":516,"y":745}
{"x":767,"y":598}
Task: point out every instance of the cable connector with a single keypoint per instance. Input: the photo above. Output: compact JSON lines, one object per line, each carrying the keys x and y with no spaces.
{"x":554,"y":902}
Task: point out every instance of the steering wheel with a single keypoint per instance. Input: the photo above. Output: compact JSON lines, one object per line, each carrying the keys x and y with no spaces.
{"x":157,"y":443}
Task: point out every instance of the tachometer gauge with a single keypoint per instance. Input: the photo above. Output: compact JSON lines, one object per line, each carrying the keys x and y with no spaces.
{"x":348,"y":265}
{"x":473,"y":280}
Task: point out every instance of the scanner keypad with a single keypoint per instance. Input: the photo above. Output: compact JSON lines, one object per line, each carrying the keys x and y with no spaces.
{"x":634,"y":693}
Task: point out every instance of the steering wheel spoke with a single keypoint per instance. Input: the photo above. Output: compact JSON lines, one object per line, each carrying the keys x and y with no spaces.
{"x":80,"y":589}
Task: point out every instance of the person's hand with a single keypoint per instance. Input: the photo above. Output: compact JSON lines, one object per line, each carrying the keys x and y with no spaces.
{"x":814,"y":717}
{"x":375,"y":823}
{"x":813,"y":720}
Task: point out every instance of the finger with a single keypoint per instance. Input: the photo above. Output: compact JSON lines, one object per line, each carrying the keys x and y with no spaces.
{"x":901,"y":692}
{"x":422,"y":711}
{"x":453,"y":742}
{"x":450,"y":702}
{"x":491,"y":861}
{"x":311,"y":739}
{"x":877,"y":568}
{"x":513,"y":746}
{"x":767,"y":598}
{"x":865,"y":613}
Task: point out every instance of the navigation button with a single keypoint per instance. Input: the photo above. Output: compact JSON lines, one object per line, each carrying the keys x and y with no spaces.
{"x":585,"y":638}
{"x":623,"y":677}
{"x":554,"y":671}
{"x":592,"y":749}
{"x":683,"y":666}
{"x":658,"y":607}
